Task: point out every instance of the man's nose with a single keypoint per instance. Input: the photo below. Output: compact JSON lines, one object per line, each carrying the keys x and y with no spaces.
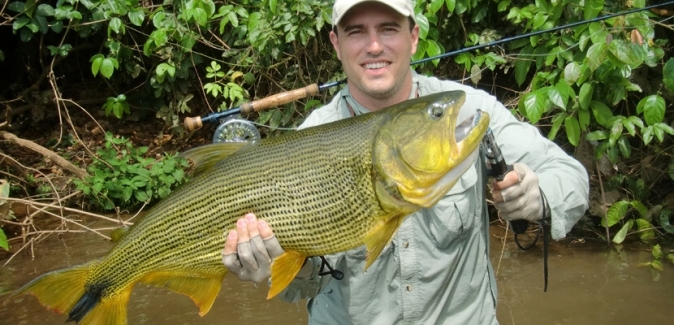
{"x":374,"y":45}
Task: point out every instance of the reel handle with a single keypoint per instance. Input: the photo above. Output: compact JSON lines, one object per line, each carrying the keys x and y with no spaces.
{"x":195,"y":123}
{"x":279,"y":99}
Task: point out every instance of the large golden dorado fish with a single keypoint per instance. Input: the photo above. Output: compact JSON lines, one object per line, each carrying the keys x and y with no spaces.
{"x":322,"y":190}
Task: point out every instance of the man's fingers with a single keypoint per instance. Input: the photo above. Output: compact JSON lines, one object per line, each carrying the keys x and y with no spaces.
{"x":229,"y":253}
{"x":273,"y":247}
{"x":242,"y":230}
{"x":252,"y":227}
{"x":265,"y":230}
{"x":259,"y":251}
{"x":246,"y":255}
{"x":230,"y":243}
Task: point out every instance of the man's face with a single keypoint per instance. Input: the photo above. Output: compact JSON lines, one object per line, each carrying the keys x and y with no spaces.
{"x":375,"y":45}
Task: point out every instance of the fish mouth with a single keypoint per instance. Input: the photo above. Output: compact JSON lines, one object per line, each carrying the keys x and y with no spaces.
{"x":464,"y":128}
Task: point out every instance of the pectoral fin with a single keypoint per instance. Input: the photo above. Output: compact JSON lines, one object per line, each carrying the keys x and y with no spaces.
{"x":378,"y":236}
{"x":201,"y":288}
{"x":283,"y":270}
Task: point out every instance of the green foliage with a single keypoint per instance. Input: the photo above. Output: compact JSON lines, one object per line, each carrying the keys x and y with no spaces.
{"x":609,"y":83}
{"x":225,"y":84}
{"x":3,"y":240}
{"x":123,"y":177}
{"x":116,"y":106}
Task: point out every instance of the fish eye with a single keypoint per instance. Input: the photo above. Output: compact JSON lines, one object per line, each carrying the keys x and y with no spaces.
{"x":436,"y":112}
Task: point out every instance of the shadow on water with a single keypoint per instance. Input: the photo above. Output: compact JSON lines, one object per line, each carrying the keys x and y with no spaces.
{"x":588,"y":285}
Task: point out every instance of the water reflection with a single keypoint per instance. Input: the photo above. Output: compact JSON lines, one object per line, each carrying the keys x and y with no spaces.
{"x":588,"y":285}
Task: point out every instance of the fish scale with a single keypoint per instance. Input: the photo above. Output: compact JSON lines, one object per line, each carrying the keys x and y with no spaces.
{"x":322,"y":190}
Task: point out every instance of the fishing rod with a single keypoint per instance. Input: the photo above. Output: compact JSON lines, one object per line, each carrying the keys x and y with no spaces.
{"x":195,"y":123}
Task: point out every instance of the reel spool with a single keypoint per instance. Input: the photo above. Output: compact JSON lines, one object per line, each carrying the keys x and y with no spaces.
{"x":236,"y":130}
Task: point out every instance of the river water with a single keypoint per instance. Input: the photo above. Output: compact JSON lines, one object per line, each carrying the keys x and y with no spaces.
{"x":588,"y":284}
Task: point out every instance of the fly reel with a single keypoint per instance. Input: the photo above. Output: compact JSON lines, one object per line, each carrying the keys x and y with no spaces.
{"x":236,"y":130}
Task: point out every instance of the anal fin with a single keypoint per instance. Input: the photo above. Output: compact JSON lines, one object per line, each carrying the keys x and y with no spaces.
{"x":201,"y":288}
{"x":283,"y":270}
{"x":379,"y":235}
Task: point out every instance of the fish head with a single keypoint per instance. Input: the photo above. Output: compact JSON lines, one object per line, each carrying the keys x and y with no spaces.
{"x":422,"y":150}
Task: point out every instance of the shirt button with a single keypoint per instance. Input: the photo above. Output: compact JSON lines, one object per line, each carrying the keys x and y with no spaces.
{"x":409,"y":288}
{"x":406,"y":244}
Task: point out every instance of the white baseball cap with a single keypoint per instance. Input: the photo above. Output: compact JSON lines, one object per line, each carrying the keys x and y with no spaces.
{"x":404,"y":7}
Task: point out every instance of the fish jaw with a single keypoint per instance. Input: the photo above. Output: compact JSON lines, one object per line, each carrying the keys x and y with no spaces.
{"x":422,"y":151}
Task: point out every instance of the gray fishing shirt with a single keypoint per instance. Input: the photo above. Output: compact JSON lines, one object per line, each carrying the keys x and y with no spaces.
{"x":437,"y":270}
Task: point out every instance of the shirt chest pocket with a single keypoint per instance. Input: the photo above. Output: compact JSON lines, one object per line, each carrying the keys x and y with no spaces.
{"x":454,"y":215}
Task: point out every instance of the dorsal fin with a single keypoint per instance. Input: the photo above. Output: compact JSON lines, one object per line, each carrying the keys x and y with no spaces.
{"x":204,"y":157}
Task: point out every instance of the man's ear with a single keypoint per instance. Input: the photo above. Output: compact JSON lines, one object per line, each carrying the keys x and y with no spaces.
{"x":335,"y":43}
{"x":415,"y":39}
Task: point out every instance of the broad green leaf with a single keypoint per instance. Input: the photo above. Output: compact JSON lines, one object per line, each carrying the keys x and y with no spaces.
{"x":522,"y":64}
{"x":539,"y":19}
{"x":164,"y":67}
{"x":45,"y":10}
{"x":620,"y":236}
{"x":424,"y":26}
{"x":629,"y":53}
{"x":640,"y":207}
{"x":272,"y":6}
{"x":616,"y":131}
{"x":96,"y":62}
{"x":660,"y":129}
{"x":556,"y":98}
{"x":572,"y":129}
{"x":665,"y":214}
{"x":108,"y":67}
{"x":629,"y":125}
{"x":140,"y":196}
{"x":653,"y":108}
{"x":534,"y":106}
{"x":451,"y":4}
{"x":572,"y":72}
{"x":557,"y":121}
{"x":624,"y":146}
{"x":596,"y":55}
{"x":115,"y":24}
{"x":602,"y":114}
{"x":615,"y":213}
{"x":665,"y":128}
{"x":436,"y":5}
{"x":552,"y":55}
{"x":565,"y":91}
{"x":585,"y":95}
{"x":647,"y":134}
{"x":668,"y":75}
{"x":136,"y":16}
{"x":597,"y":135}
{"x":583,"y":119}
{"x":16,"y":6}
{"x":592,"y":8}
{"x":433,"y":49}
{"x":646,"y":230}
{"x":20,"y":22}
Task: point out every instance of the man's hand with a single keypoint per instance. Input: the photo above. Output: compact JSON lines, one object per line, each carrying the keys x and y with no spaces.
{"x":250,"y":249}
{"x":518,"y":196}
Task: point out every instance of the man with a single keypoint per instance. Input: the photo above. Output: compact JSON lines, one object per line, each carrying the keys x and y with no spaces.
{"x":436,"y":269}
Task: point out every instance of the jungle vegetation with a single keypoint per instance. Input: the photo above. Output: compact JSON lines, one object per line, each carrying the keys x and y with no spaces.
{"x":94,"y":92}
